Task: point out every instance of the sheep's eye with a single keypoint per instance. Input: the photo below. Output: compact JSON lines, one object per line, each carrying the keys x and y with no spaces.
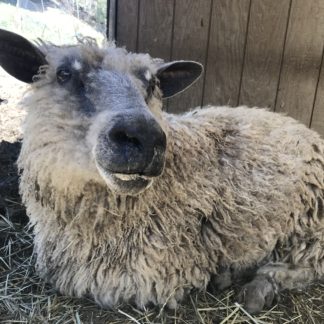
{"x":63,"y":74}
{"x":151,"y":86}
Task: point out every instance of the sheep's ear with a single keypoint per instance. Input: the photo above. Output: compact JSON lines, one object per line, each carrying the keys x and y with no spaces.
{"x":19,"y":57}
{"x":177,"y":76}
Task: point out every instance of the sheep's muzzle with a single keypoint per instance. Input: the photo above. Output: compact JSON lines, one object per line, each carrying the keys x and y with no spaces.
{"x":131,"y":152}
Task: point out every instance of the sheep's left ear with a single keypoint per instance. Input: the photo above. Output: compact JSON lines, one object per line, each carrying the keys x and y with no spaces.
{"x":177,"y":76}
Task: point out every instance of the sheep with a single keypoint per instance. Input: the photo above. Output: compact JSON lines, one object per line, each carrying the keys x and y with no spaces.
{"x":131,"y":204}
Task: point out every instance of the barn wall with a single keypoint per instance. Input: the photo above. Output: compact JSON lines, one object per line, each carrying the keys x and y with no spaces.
{"x":265,"y":53}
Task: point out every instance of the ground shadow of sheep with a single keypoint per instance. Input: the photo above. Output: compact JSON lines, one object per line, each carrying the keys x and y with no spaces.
{"x":10,"y":204}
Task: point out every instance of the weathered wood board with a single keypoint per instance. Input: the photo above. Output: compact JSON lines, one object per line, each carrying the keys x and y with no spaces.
{"x":265,"y":53}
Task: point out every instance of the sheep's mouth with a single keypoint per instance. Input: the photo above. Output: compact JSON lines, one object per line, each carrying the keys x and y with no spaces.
{"x":132,"y":181}
{"x":130,"y":177}
{"x":129,"y":184}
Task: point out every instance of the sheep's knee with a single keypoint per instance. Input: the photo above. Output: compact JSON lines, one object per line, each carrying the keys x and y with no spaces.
{"x":220,"y":282}
{"x":269,"y":280}
{"x":257,"y":294}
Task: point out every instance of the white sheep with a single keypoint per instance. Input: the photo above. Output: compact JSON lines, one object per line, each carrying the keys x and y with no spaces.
{"x":133,"y":204}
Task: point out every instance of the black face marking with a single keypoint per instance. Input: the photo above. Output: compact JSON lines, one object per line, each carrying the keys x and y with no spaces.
{"x":69,"y":77}
{"x":86,"y":105}
{"x":149,"y":84}
{"x":73,"y":79}
{"x":63,"y":74}
{"x":3,"y":101}
{"x":153,"y":84}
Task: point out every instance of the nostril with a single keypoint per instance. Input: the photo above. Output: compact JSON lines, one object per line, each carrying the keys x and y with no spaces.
{"x":122,"y":138}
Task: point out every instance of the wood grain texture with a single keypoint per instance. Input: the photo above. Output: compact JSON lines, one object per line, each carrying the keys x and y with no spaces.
{"x":127,"y":24}
{"x":317,"y":122}
{"x":302,"y":57}
{"x":253,"y":53}
{"x":155,"y":27}
{"x":226,"y":51}
{"x":264,"y":49}
{"x":190,"y":36}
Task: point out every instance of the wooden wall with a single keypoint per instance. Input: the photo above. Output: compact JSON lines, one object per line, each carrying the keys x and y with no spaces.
{"x":265,"y":53}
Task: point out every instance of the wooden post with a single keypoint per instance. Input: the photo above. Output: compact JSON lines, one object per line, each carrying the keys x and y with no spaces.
{"x":111,"y":19}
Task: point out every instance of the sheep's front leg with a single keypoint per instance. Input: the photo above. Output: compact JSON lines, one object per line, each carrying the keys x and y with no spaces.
{"x":269,"y":280}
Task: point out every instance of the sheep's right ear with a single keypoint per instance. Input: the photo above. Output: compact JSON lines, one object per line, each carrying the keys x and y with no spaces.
{"x":177,"y":76}
{"x":19,"y":57}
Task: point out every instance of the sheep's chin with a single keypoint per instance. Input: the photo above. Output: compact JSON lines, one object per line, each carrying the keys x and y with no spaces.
{"x":125,"y":184}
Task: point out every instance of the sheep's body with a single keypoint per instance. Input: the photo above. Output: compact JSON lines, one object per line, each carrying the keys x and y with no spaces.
{"x":238,"y":184}
{"x":241,"y":188}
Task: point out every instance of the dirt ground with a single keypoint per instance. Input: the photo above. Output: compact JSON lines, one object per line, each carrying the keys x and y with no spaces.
{"x":11,"y":91}
{"x":24,"y":298}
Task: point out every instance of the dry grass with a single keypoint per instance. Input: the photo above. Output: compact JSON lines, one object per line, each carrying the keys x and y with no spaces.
{"x":25,"y":298}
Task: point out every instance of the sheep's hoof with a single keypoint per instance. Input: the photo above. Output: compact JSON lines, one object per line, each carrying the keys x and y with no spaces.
{"x":220,"y":282}
{"x":257,"y":294}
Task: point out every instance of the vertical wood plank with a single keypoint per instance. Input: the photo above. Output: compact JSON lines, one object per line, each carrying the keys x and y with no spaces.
{"x":303,"y":52}
{"x":155,"y":27}
{"x":127,"y":23}
{"x":317,"y":122}
{"x":226,"y":51}
{"x":191,"y":25}
{"x":264,"y":48}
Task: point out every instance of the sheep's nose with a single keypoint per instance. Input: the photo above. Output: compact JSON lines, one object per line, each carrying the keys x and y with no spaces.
{"x":125,"y":138}
{"x":134,"y":146}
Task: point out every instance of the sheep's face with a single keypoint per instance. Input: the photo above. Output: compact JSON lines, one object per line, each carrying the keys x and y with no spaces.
{"x":127,"y":135}
{"x":112,"y":102}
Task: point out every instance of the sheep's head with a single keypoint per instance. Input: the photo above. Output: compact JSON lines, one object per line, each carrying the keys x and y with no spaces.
{"x":114,"y":99}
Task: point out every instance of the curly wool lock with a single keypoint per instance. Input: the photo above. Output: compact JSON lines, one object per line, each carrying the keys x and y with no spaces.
{"x":241,"y":188}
